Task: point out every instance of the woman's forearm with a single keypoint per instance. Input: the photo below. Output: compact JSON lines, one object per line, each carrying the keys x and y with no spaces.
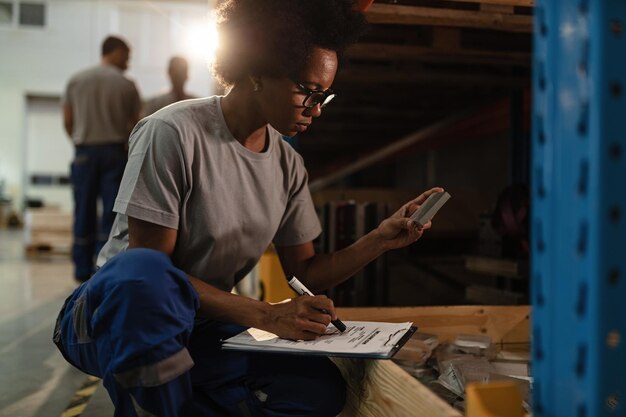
{"x":224,"y":306}
{"x":326,"y":270}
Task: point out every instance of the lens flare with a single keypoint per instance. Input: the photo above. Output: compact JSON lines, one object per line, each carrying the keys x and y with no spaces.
{"x":202,"y":40}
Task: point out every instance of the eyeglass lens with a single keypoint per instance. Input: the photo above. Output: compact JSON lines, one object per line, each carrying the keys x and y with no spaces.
{"x":319,"y":97}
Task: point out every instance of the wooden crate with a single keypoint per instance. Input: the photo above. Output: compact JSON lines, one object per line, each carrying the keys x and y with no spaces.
{"x":47,"y":231}
{"x":381,"y":388}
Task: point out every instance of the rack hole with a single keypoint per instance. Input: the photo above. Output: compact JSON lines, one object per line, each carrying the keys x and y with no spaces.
{"x":584,"y":59}
{"x":539,"y":299}
{"x":616,"y":27}
{"x":615,"y":151}
{"x":541,"y":135}
{"x":581,"y":245}
{"x":537,"y":344}
{"x":583,"y":177}
{"x":541,"y":189}
{"x":583,"y":118}
{"x":615,"y":214}
{"x":581,"y":361}
{"x":541,"y":245}
{"x":616,"y":89}
{"x":581,"y":304}
{"x":613,"y":339}
{"x":538,"y":403}
{"x":541,"y":17}
{"x":613,"y":277}
{"x":542,"y":77}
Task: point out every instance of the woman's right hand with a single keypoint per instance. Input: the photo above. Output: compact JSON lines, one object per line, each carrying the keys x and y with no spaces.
{"x":302,"y":318}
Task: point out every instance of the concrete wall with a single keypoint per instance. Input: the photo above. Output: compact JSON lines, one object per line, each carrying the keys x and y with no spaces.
{"x":39,"y":61}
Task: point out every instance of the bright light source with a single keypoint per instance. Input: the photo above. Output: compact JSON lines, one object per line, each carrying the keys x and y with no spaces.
{"x":202,"y":40}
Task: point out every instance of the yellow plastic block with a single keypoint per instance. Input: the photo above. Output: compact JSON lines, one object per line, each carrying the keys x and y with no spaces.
{"x":275,"y":287}
{"x":494,"y":399}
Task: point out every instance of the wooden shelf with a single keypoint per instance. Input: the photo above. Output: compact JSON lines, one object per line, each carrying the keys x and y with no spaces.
{"x":382,"y":389}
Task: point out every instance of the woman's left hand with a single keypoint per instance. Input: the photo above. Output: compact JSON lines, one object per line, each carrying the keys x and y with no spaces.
{"x":399,"y":230}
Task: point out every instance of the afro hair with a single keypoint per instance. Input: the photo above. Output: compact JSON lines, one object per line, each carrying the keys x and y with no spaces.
{"x":275,"y":37}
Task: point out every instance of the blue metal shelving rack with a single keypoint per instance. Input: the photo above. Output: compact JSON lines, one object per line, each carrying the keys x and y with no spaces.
{"x":579,"y":208}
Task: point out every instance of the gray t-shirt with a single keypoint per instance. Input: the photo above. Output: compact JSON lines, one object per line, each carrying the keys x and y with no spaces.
{"x":187,"y":172}
{"x":104,"y":103}
{"x":156,"y":103}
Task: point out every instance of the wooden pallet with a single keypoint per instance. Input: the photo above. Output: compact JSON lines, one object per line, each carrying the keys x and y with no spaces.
{"x":43,"y":250}
{"x":48,"y":232}
{"x":380,"y":388}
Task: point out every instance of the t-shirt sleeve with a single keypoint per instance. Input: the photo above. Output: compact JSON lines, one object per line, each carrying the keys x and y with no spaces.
{"x":66,"y":98}
{"x":155,"y":182}
{"x":300,"y":223}
{"x":135,"y":99}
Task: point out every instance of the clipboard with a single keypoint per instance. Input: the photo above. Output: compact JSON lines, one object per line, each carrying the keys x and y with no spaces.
{"x":387,"y":354}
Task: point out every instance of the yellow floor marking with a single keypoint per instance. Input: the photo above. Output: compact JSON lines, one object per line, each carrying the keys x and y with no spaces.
{"x":87,"y":392}
{"x":82,"y":396}
{"x":74,"y":411}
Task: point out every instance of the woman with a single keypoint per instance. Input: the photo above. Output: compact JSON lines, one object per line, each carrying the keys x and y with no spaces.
{"x":208,"y":186}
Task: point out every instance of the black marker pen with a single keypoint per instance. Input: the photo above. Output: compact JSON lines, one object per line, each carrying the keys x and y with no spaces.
{"x":300,"y":289}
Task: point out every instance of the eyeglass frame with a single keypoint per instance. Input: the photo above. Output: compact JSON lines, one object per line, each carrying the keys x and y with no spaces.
{"x":309,"y":93}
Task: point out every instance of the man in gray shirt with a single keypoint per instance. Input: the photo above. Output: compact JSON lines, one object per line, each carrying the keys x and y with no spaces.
{"x":177,"y":71}
{"x":100,"y":108}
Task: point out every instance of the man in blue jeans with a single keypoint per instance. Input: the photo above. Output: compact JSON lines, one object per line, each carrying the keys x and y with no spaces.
{"x":100,"y":108}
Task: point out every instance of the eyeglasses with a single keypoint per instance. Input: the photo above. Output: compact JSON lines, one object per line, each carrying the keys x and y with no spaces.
{"x":315,"y":97}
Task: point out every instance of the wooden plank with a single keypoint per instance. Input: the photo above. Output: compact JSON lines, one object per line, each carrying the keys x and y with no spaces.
{"x":48,"y":219}
{"x":411,"y":77}
{"x":447,"y":322}
{"x":47,"y":251}
{"x":385,"y":152}
{"x":497,"y":8}
{"x":524,"y":3}
{"x":446,"y":39}
{"x":382,"y":388}
{"x":492,"y":266}
{"x":427,"y":16}
{"x":483,"y":294}
{"x":381,"y":51}
{"x":392,"y":196}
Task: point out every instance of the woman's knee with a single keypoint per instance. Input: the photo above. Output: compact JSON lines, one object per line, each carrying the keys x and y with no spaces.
{"x":140,"y":292}
{"x":144,"y":273}
{"x":139,"y":262}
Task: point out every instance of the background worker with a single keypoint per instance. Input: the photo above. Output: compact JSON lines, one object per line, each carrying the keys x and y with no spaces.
{"x":177,"y":71}
{"x":208,"y":186}
{"x":100,"y":108}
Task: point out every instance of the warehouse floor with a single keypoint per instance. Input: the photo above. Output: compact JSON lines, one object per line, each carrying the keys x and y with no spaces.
{"x":35,"y":380}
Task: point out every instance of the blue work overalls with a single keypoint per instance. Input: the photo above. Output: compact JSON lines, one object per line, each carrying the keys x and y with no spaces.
{"x":96,"y":171}
{"x":133,"y":325}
